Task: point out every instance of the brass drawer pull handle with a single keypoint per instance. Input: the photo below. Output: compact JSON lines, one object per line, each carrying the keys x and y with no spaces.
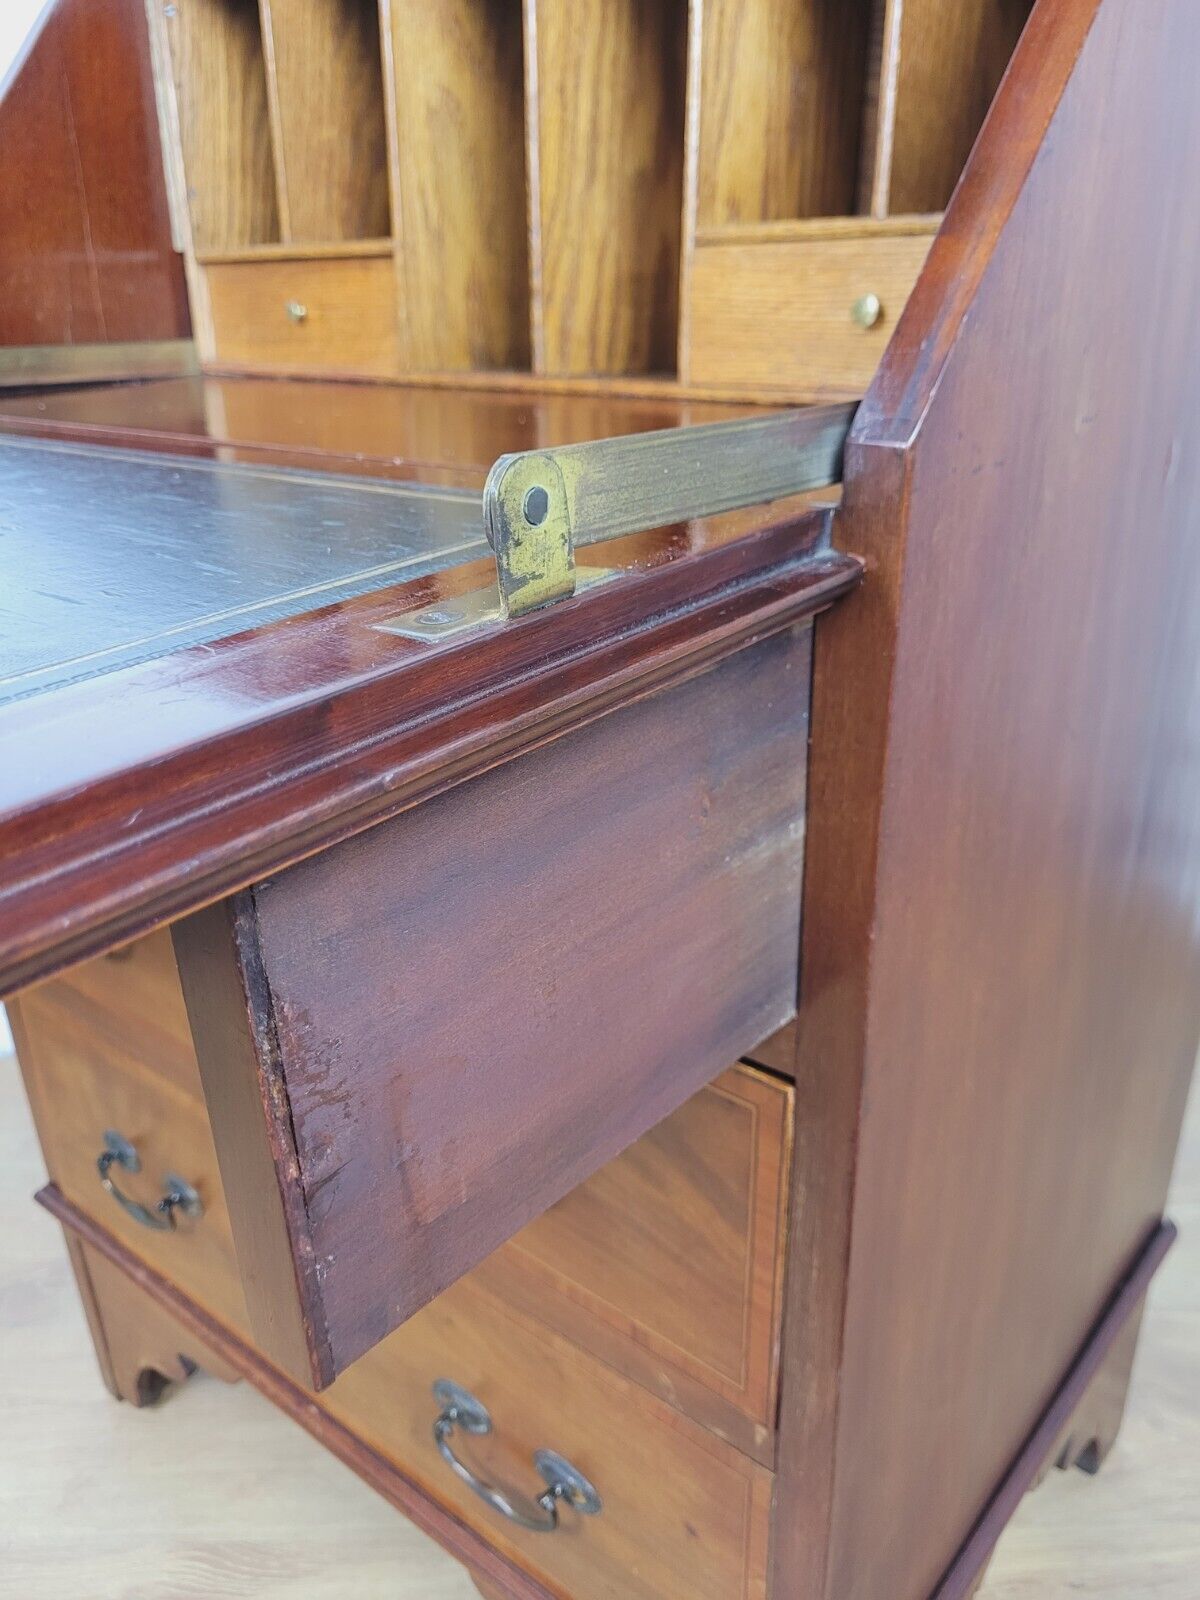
{"x":460,"y":1409}
{"x":178,"y":1195}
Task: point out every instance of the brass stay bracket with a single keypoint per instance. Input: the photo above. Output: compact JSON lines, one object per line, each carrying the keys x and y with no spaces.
{"x":540,"y":505}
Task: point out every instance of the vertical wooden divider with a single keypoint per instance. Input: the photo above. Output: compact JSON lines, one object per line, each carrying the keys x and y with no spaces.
{"x":607,"y":123}
{"x":689,"y":212}
{"x":879,"y":108}
{"x":456,"y":112}
{"x":215,"y":49}
{"x":943,"y":68}
{"x":781,"y":86}
{"x":325,"y":86}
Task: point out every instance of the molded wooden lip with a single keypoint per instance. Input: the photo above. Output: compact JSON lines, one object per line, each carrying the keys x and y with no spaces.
{"x":152,"y":791}
{"x":380,"y":1474}
{"x":462,"y":1542}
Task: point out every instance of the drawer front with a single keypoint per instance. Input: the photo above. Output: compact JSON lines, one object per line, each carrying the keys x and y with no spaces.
{"x":415,"y":1043}
{"x":693,"y":1213}
{"x":132,"y":998}
{"x":82,"y":1083}
{"x":781,"y":314}
{"x":335,"y":315}
{"x":684,"y":1514}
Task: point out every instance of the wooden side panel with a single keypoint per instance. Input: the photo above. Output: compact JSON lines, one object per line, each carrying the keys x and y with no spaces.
{"x":606,"y":142}
{"x":479,"y":1004}
{"x":325,"y":83}
{"x":85,"y":236}
{"x":781,"y":85}
{"x":456,"y":86}
{"x":1002,"y":948}
{"x":216,"y":52}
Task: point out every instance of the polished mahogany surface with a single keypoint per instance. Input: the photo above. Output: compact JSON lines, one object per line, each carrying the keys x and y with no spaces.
{"x":85,"y":237}
{"x":439,"y":434}
{"x":147,"y":790}
{"x":1001,"y":971}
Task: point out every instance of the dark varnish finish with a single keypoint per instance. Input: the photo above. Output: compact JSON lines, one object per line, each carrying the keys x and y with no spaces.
{"x":85,"y":237}
{"x":1001,"y":974}
{"x":459,"y":1016}
{"x":147,"y":792}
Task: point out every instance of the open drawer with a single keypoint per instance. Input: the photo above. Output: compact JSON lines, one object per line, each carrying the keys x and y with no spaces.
{"x":413,"y":1043}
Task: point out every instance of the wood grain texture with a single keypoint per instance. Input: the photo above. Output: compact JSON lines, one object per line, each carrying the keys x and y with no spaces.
{"x":695,"y":1206}
{"x":139,"y":1346}
{"x":780,"y":108}
{"x":654,"y":855}
{"x":1079,"y":1425}
{"x":992,"y":1075}
{"x":325,"y":89}
{"x":349,"y":316}
{"x":774,"y":316}
{"x":459,"y":162}
{"x":685,"y":1515}
{"x":131,"y":998}
{"x":1076,"y":1538}
{"x":607,"y":136}
{"x":227,"y":1003}
{"x":947,"y":61}
{"x":436,"y":434}
{"x":85,"y":236}
{"x":220,"y":86}
{"x":163,"y":786}
{"x":82,"y":1082}
{"x":151,"y":1297}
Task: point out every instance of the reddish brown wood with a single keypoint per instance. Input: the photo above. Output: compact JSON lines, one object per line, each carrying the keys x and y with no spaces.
{"x":1046,"y":1442}
{"x":1001,"y":986}
{"x":149,"y":791}
{"x":85,"y":237}
{"x":209,"y":1340}
{"x":140,"y":1298}
{"x":459,"y":1016}
{"x":140,"y":1347}
{"x":438,"y":434}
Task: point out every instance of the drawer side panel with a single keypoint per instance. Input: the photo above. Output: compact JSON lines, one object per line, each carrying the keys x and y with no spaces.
{"x":478,"y":1004}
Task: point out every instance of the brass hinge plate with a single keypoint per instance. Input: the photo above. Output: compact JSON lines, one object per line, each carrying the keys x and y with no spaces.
{"x":539,"y":506}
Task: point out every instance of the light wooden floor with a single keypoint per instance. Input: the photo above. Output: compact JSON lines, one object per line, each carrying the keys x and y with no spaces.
{"x":215,"y":1496}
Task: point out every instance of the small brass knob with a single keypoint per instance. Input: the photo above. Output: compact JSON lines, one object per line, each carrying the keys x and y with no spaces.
{"x":866,"y":311}
{"x":297,"y":310}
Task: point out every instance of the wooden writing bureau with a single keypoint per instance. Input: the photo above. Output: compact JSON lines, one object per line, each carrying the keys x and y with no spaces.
{"x":676,"y":1086}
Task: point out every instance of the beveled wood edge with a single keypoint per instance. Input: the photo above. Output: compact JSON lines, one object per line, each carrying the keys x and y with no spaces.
{"x":1008,"y":145}
{"x":279,"y":797}
{"x":525,"y":380}
{"x":454,"y":1536}
{"x":748,"y":1421}
{"x":232,"y":1020}
{"x":299,"y":252}
{"x":811,"y":230}
{"x":965,"y":1570}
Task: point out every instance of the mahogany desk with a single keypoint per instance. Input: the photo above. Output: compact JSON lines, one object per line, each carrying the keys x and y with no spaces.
{"x":733,"y":1024}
